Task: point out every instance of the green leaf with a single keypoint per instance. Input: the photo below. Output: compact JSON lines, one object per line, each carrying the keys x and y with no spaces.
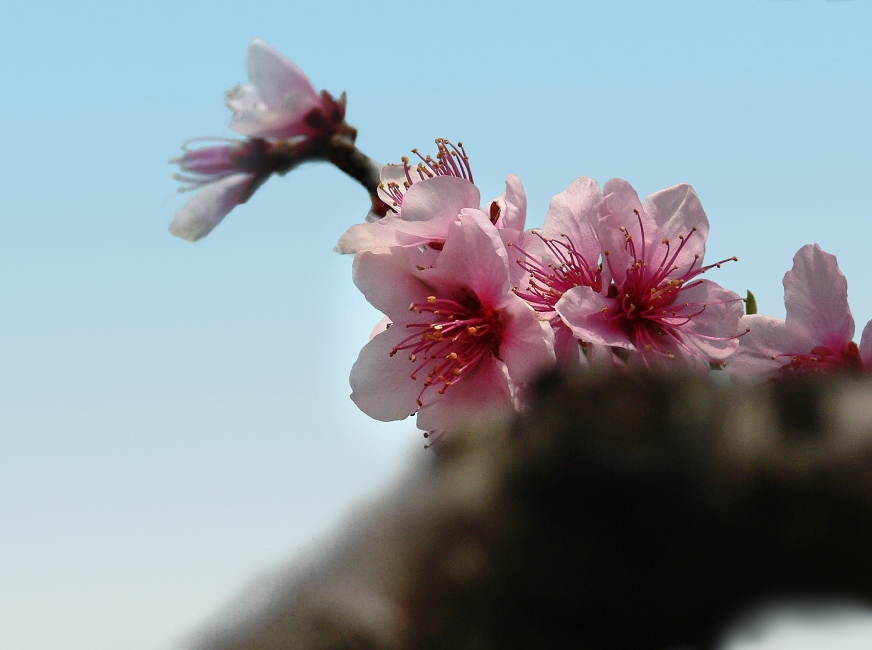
{"x":750,"y":304}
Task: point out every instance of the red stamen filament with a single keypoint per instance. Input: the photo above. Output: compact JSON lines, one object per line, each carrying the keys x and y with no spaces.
{"x":462,"y":333}
{"x":649,"y":300}
{"x":550,"y":281}
{"x":450,"y":160}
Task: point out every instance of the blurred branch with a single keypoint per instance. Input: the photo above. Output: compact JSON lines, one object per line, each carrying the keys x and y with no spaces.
{"x":621,"y":512}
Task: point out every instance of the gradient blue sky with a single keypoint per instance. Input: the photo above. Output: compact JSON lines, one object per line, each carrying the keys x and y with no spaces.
{"x":175,"y":417}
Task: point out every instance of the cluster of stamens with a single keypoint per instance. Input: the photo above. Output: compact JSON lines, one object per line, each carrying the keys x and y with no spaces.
{"x":822,"y":360}
{"x":649,"y":299}
{"x":550,"y":281}
{"x":450,"y":160}
{"x":208,"y":164}
{"x":448,"y":346}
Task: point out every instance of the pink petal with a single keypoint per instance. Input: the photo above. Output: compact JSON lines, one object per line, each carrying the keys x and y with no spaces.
{"x":677,"y":211}
{"x":390,"y":281}
{"x":757,"y":357}
{"x":381,"y":385}
{"x":482,"y":394}
{"x":574,"y":213}
{"x":275,"y":76}
{"x":211,"y":204}
{"x":602,"y":357}
{"x":712,"y":330}
{"x":474,"y":257}
{"x":380,"y":327}
{"x":582,"y":308}
{"x":515,"y":242}
{"x":620,"y":197}
{"x":392,"y":174}
{"x":663,"y":362}
{"x":366,"y":237}
{"x":816,"y":298}
{"x":430,"y":205}
{"x":866,"y":346}
{"x":527,"y":347}
{"x":567,"y":349}
{"x":512,"y":205}
{"x":619,"y":207}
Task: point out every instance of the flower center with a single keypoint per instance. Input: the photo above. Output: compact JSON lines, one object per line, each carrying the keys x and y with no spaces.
{"x":822,"y":359}
{"x":448,"y":347}
{"x":649,"y":300}
{"x":450,"y":160}
{"x":550,"y":281}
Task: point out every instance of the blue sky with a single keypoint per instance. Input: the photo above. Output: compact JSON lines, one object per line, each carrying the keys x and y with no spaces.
{"x":175,"y":417}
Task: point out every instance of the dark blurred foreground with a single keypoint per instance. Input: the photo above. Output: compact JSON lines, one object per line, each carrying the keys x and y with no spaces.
{"x":622,"y":512}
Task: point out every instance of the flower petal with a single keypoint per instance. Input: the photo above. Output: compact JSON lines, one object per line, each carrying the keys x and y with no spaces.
{"x":512,"y":205}
{"x":430,"y":205}
{"x":275,"y":76}
{"x":758,"y":356}
{"x":367,"y":237}
{"x":567,"y":349}
{"x":711,"y":331}
{"x":678,"y":213}
{"x":483,"y":394}
{"x":816,"y":298}
{"x":212,"y":203}
{"x":574,"y":213}
{"x":622,"y":216}
{"x":392,"y":175}
{"x":586,"y":312}
{"x":866,"y":346}
{"x":473,"y":257}
{"x":527,"y":346}
{"x":389,"y":280}
{"x":381,"y":385}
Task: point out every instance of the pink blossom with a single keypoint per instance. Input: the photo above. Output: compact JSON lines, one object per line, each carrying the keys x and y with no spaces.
{"x":460,"y":343}
{"x":655,"y":303}
{"x":563,"y":255}
{"x":224,"y":176}
{"x":287,"y":123}
{"x":816,"y":336}
{"x":280,"y":102}
{"x":424,"y":200}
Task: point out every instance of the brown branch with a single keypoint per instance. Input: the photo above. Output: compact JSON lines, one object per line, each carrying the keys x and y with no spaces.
{"x":621,"y":512}
{"x":344,"y":154}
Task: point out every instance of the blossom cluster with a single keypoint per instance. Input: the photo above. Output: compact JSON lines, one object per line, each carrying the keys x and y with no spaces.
{"x":476,"y":305}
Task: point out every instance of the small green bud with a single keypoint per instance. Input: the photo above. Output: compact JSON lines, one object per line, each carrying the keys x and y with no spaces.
{"x":750,"y":304}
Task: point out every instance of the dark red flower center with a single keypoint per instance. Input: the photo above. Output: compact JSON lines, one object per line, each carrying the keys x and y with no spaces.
{"x":447,"y":346}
